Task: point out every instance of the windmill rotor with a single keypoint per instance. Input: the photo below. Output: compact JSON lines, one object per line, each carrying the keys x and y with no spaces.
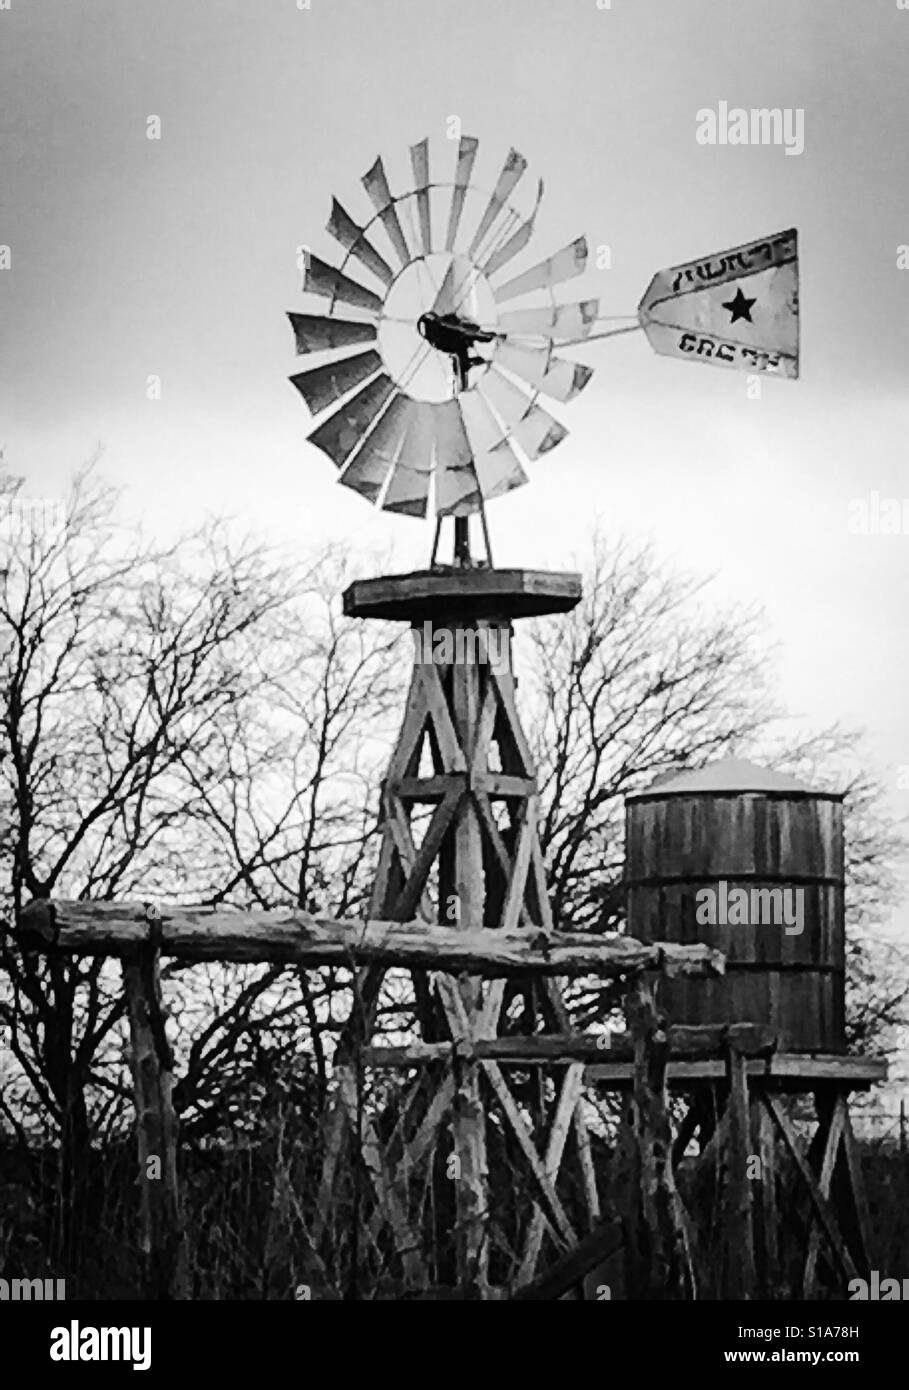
{"x":437,"y":349}
{"x":429,"y":369}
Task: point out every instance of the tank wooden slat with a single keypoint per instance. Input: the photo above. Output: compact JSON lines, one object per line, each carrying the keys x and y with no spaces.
{"x":679,"y":844}
{"x":670,"y":914}
{"x":800,"y":1006}
{"x":727,"y":836}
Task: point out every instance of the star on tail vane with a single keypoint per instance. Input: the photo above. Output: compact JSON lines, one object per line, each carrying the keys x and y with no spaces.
{"x":736,"y":308}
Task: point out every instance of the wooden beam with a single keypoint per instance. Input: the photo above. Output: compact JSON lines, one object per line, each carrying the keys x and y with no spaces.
{"x":659,"y":1245}
{"x":482,"y":735}
{"x":685,"y":1040}
{"x":404,"y":1163}
{"x":503,"y":784}
{"x":511,"y":724}
{"x":495,"y":784}
{"x":833,"y":1122}
{"x":830,"y":1067}
{"x":526,"y":829}
{"x":549,"y":1201}
{"x":739,"y":1233}
{"x":585,"y":1159}
{"x":503,"y":858}
{"x":406,"y":756}
{"x":821,"y":1205}
{"x":391,"y":1200}
{"x":423,"y":859}
{"x":559,"y":1017}
{"x":294,"y":936}
{"x":334,"y":1130}
{"x":768,"y":1224}
{"x":397,"y":829}
{"x":428,"y":789}
{"x":794,"y":1072}
{"x":538,"y":876}
{"x":569,"y":1096}
{"x":859,"y":1195}
{"x":468,"y":1132}
{"x":574,"y":1265}
{"x":452,"y":753}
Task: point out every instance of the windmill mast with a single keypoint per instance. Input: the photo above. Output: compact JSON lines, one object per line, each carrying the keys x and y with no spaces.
{"x":461,"y":552}
{"x":462,"y":523}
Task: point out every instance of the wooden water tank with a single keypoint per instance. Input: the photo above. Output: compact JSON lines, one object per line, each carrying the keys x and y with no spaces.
{"x":745,"y":827}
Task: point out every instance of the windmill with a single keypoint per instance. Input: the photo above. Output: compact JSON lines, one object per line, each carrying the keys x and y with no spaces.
{"x":450,"y":410}
{"x":434,"y":389}
{"x":431,"y":387}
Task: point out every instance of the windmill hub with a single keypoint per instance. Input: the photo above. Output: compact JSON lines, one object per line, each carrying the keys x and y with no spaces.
{"x":455,"y":336}
{"x":444,"y":289}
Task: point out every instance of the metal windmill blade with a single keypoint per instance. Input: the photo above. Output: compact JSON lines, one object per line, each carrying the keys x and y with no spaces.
{"x":428,"y":391}
{"x":429,"y":363}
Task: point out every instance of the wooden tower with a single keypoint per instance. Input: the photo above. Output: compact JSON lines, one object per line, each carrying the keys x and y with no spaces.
{"x":460,"y":847}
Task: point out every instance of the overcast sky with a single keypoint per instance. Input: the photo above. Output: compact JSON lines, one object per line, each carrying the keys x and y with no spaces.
{"x":177,"y":257}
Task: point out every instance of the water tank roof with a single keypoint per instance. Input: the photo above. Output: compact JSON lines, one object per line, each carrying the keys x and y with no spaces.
{"x":728,"y":775}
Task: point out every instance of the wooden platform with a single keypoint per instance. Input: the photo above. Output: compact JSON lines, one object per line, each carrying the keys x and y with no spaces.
{"x":784,"y":1071}
{"x":696,"y":1054}
{"x":483,"y":592}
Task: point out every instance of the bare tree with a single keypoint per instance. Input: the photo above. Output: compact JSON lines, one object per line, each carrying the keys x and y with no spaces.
{"x":161,"y":738}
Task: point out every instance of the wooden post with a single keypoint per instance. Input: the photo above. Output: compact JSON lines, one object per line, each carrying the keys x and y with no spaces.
{"x":658,"y":1241}
{"x":470,"y":1120}
{"x":854,"y":1196}
{"x":162,"y":1240}
{"x":739,"y":1232}
{"x":767,"y":1225}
